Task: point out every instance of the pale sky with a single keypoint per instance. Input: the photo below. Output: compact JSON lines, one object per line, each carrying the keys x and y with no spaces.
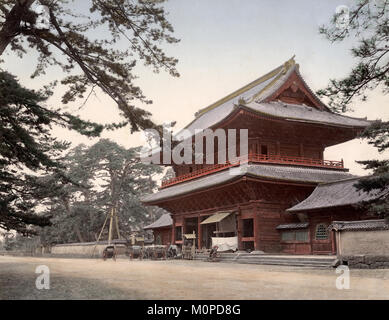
{"x":226,"y":44}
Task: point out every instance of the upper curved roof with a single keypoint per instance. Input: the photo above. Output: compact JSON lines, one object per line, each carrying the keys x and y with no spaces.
{"x":303,"y":113}
{"x":255,"y":97}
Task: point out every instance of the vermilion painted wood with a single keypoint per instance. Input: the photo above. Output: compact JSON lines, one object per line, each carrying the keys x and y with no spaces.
{"x":292,"y":143}
{"x":256,"y":158}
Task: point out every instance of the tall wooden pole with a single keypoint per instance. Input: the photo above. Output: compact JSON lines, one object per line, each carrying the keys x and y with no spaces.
{"x":110,"y":227}
{"x":101,"y":231}
{"x":117,"y":224}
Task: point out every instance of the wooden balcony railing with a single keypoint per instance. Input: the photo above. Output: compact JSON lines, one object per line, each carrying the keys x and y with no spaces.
{"x":255,"y":158}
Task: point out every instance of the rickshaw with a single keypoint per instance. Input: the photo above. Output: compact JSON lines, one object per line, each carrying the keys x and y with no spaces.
{"x":213,"y":255}
{"x":154,"y":252}
{"x":159,"y":252}
{"x":136,"y":252}
{"x":171,"y":251}
{"x":109,"y":252}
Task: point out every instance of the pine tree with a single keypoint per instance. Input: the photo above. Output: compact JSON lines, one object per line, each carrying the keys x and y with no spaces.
{"x":61,"y":35}
{"x":107,"y":176}
{"x":368,"y":21}
{"x":27,"y":151}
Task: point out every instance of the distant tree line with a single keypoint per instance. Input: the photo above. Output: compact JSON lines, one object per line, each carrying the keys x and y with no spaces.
{"x":105,"y":176}
{"x":33,"y":174}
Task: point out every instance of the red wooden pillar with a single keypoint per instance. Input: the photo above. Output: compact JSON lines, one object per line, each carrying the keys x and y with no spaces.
{"x":256,"y":233}
{"x":199,"y":233}
{"x":183,"y":226}
{"x":173,"y":230}
{"x":239,"y":231}
{"x":333,"y":241}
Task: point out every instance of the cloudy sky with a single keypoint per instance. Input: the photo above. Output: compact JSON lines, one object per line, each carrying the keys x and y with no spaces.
{"x":224,"y":45}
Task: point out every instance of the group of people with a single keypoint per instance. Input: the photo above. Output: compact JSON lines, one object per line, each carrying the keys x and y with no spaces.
{"x":155,"y":252}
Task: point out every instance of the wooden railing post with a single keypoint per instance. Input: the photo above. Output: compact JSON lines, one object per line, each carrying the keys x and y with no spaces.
{"x":255,"y":158}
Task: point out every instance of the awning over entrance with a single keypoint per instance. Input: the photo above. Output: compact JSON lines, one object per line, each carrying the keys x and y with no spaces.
{"x":189,"y":236}
{"x":216,"y":217}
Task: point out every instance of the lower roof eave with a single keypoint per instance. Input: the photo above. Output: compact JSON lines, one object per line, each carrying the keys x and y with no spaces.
{"x":315,"y":210}
{"x":265,"y":173}
{"x":237,"y":179}
{"x":242,"y":178}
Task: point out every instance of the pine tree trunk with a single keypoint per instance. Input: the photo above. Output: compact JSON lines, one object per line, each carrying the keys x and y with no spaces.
{"x":78,"y":233}
{"x":11,"y":26}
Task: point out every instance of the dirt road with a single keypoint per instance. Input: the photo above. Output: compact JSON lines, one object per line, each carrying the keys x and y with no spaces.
{"x":124,"y":279}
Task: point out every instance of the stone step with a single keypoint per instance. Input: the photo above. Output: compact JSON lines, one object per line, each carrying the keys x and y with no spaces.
{"x":289,"y":260}
{"x":313,"y":260}
{"x":298,"y":261}
{"x":289,"y":263}
{"x":329,"y":262}
{"x":308,"y":258}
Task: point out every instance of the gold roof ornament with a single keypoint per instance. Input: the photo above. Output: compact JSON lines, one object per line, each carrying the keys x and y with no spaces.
{"x":276,"y":74}
{"x":285,"y":68}
{"x":288,"y":64}
{"x":242,"y":101}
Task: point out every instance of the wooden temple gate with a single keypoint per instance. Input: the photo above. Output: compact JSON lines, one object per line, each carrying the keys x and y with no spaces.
{"x":288,"y":130}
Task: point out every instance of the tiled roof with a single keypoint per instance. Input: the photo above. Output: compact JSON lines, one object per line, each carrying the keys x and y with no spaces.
{"x":254,"y":95}
{"x":304,"y":113}
{"x":164,"y":221}
{"x":265,"y":171}
{"x":362,"y":225}
{"x":298,"y":225}
{"x":259,"y":86}
{"x":335,"y":194}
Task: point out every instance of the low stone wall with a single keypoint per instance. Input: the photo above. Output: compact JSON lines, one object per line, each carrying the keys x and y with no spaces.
{"x":19,"y":253}
{"x":364,"y":249}
{"x":87,"y":249}
{"x":374,"y":242}
{"x":366,"y":261}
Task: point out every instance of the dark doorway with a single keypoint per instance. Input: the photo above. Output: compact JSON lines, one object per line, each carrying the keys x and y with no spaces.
{"x":178,"y":233}
{"x":191,"y":224}
{"x":248,"y":245}
{"x":207,"y":231}
{"x":248,"y":228}
{"x":264,"y":149}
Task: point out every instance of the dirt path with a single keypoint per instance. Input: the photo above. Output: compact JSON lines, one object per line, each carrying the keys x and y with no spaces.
{"x":124,"y":279}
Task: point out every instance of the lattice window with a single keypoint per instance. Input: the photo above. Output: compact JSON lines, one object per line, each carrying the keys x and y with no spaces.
{"x":158,"y":240}
{"x":302,"y":236}
{"x":288,"y":236}
{"x":321,"y":232}
{"x":295,"y":235}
